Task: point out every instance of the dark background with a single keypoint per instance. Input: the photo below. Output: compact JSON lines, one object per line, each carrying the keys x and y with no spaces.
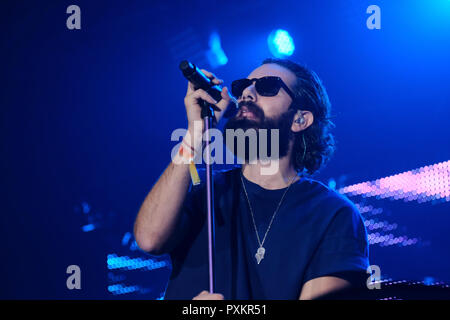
{"x":86,"y":118}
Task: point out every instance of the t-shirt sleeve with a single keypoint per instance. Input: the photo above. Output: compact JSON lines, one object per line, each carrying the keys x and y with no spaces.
{"x":343,"y":249}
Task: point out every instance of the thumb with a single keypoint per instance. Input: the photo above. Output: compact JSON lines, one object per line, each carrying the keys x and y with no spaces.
{"x":225,"y":101}
{"x":225,"y":94}
{"x":223,"y":104}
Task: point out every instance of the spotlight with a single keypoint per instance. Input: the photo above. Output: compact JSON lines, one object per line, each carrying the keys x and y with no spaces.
{"x":280,"y":43}
{"x":216,"y":56}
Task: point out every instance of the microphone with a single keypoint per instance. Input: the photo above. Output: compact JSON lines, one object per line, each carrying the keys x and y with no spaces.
{"x":201,"y":81}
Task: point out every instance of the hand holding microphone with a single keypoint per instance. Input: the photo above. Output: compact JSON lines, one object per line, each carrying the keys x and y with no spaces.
{"x":204,"y":85}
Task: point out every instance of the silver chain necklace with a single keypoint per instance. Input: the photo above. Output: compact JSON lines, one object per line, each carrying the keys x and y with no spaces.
{"x":261,"y":250}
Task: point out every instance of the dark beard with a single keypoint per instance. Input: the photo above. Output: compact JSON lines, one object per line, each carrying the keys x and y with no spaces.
{"x":282,"y":123}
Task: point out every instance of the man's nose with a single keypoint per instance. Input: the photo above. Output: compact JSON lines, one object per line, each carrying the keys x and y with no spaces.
{"x":249,"y":94}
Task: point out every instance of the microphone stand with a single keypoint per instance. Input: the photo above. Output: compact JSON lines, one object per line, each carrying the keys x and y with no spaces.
{"x":200,"y":80}
{"x":207,"y":115}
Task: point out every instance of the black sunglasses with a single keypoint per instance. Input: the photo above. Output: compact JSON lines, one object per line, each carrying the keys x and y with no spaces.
{"x":266,"y":86}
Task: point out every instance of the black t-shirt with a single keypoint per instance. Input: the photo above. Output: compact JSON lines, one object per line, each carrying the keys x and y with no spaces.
{"x":316,"y":232}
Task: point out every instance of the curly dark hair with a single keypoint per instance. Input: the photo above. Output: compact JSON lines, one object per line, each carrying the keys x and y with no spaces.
{"x":312,"y":96}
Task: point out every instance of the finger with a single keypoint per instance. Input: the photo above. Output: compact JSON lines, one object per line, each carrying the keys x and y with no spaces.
{"x":225,"y":94}
{"x":191,"y":88}
{"x":208,"y":74}
{"x":226,"y":99}
{"x":204,"y":292}
{"x":208,"y":296}
{"x":217,"y":81}
{"x":201,"y":295}
{"x":212,"y":76}
{"x":202,"y":94}
{"x":226,"y":102}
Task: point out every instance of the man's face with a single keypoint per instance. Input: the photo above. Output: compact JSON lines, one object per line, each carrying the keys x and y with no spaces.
{"x":261,"y":112}
{"x":270,"y":107}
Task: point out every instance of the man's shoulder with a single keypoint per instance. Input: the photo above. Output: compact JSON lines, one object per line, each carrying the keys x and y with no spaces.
{"x":326,"y":196}
{"x":332,"y":208}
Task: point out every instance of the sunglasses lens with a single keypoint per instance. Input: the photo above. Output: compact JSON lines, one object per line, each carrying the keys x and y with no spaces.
{"x":238,"y":86}
{"x":268,"y":86}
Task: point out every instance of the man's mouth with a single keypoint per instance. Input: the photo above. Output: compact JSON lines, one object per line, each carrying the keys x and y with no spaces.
{"x":244,"y":112}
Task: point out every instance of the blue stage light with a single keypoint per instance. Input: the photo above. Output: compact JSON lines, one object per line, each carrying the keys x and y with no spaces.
{"x":332,"y":184}
{"x":216,"y":56}
{"x":428,"y":281}
{"x":88,"y":227}
{"x":280,"y":43}
{"x":115,"y":262}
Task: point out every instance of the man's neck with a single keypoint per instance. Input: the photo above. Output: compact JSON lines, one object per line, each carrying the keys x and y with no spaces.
{"x":281,"y":178}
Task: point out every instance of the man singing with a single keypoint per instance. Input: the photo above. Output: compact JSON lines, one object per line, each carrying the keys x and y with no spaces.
{"x":277,"y":236}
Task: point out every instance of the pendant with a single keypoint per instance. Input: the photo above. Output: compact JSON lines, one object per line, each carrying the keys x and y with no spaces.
{"x":260,"y":254}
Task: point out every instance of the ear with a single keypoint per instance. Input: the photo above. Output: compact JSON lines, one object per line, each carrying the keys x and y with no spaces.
{"x":300,"y":125}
